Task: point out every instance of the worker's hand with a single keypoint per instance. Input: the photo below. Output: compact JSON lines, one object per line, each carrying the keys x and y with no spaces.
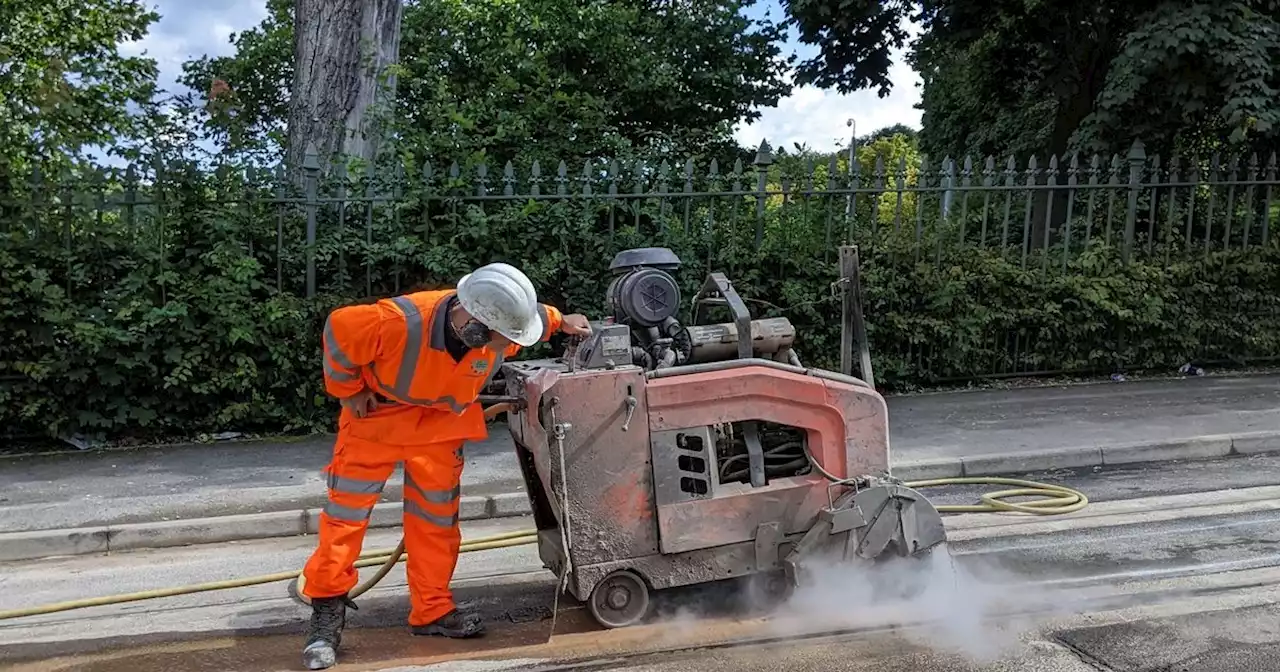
{"x":575,"y":325}
{"x":361,"y":403}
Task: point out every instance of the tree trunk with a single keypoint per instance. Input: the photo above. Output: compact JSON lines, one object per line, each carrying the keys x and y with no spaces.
{"x":342,"y":49}
{"x":1072,"y":111}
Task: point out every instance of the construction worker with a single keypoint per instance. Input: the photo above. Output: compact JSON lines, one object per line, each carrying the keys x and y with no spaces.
{"x":408,"y":370}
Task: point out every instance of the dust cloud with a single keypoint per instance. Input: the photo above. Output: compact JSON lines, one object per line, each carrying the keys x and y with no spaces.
{"x":933,"y":601}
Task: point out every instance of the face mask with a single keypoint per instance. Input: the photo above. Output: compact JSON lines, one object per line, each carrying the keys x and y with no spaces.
{"x":474,"y":335}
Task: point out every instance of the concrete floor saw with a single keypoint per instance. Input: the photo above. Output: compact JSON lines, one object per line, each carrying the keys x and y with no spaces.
{"x":659,"y":454}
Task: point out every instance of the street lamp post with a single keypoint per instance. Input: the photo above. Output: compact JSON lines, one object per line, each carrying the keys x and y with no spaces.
{"x":853,"y":156}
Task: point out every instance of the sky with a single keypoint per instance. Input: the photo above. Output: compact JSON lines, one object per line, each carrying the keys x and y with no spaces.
{"x":808,"y":116}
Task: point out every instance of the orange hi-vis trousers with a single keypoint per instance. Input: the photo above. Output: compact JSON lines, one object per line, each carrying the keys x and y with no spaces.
{"x":356,"y":477}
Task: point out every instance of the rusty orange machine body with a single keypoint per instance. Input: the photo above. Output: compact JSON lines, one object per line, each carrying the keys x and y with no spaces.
{"x":653,"y":461}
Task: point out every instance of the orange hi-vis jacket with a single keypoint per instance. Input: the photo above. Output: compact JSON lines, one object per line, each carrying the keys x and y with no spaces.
{"x":396,"y":348}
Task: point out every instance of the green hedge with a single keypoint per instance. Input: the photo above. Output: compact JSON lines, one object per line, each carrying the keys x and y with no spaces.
{"x":109,"y":336}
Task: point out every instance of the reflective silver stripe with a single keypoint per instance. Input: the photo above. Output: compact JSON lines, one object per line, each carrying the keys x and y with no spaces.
{"x":412,"y":344}
{"x":347,"y":513}
{"x":493,"y":370}
{"x":414,"y":509}
{"x":440,"y":322}
{"x":546,"y":321}
{"x":356,"y":486}
{"x":411,"y":354}
{"x":332,"y":348}
{"x":433,"y":496}
{"x":386,"y":389}
{"x":340,"y":376}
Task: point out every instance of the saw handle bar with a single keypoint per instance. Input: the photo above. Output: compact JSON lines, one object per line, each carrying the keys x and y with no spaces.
{"x":494,"y":404}
{"x":499,"y":399}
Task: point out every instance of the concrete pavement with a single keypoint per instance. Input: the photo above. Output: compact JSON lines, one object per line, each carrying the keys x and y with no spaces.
{"x":117,"y":500}
{"x":949,"y":424}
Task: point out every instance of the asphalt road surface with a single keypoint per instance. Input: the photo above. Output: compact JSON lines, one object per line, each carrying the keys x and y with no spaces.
{"x":1173,"y":568}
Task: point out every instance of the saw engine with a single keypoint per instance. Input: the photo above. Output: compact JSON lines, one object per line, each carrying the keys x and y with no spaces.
{"x":659,"y":453}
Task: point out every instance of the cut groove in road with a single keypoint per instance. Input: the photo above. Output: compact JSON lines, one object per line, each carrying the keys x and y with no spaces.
{"x":1020,"y":541}
{"x":614,"y":660}
{"x":1163,"y":573}
{"x":1084,"y":656}
{"x":1111,"y":603}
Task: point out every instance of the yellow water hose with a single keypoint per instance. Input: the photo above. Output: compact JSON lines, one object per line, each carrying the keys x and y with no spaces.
{"x":386,"y":558}
{"x":1056,"y":500}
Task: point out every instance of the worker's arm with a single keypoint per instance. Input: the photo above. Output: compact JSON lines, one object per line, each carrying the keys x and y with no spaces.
{"x":352,"y":338}
{"x":554,"y":322}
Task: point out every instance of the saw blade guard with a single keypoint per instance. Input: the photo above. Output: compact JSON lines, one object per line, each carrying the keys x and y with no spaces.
{"x":870,"y":525}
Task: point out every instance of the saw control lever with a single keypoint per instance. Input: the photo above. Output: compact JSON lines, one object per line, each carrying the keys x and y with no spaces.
{"x":631,"y":410}
{"x":571,"y":352}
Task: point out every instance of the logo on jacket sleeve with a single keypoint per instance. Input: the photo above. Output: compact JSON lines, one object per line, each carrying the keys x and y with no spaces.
{"x":479,"y":366}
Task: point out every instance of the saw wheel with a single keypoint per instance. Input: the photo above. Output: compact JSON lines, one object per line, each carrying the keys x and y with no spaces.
{"x":620,"y":599}
{"x":871,"y":527}
{"x":768,"y":590}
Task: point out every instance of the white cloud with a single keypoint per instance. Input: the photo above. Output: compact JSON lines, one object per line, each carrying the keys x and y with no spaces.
{"x":818,"y":118}
{"x":188,"y":30}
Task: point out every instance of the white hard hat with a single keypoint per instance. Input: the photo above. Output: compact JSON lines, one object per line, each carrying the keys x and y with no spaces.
{"x":502,"y":298}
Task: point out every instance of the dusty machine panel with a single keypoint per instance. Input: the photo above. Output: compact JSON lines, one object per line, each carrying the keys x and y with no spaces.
{"x":842,"y":426}
{"x":597,"y":416}
{"x":609,"y":347}
{"x":684,"y":465}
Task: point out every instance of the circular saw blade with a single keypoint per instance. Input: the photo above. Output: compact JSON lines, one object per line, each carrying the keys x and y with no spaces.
{"x":869,"y":525}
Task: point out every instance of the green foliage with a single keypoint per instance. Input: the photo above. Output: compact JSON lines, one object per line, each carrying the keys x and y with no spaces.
{"x":983,"y":310}
{"x":883,"y":158}
{"x":547,"y":79}
{"x":173,"y":302}
{"x":247,"y":116}
{"x":150,"y":326}
{"x":64,"y":84}
{"x":854,"y":40}
{"x":1207,"y":67}
{"x":175,"y":313}
{"x":1054,"y":76}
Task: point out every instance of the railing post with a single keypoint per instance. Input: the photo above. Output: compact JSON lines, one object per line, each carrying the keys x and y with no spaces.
{"x":159,"y":198}
{"x":340,"y":175}
{"x":764,"y":158}
{"x":310,"y":176}
{"x":1137,"y":160}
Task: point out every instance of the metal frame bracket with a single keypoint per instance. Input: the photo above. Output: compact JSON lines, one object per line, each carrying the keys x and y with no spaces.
{"x":768,"y":536}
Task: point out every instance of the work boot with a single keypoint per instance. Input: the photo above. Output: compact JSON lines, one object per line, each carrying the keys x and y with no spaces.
{"x":328,"y":617}
{"x":454,"y":625}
